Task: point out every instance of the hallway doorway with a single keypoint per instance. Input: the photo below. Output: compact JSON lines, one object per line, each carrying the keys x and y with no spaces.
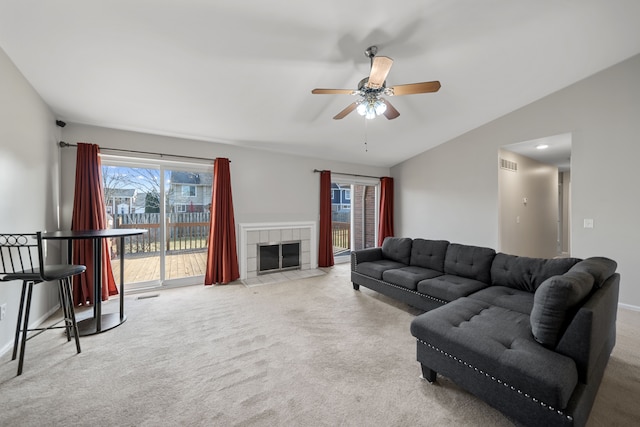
{"x":534,"y":194}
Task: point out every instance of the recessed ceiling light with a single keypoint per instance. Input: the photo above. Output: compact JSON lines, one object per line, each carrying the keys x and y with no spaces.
{"x":542,"y":147}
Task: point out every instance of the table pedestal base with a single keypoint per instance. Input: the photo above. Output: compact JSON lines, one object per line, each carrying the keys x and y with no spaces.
{"x":107,"y":321}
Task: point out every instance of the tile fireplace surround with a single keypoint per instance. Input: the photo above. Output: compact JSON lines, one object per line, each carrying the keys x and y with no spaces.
{"x":251,"y":234}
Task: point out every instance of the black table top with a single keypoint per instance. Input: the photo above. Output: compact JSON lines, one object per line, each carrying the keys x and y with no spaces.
{"x":91,"y":234}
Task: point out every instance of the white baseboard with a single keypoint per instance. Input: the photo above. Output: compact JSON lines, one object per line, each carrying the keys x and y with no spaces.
{"x":34,"y":324}
{"x":629,"y":307}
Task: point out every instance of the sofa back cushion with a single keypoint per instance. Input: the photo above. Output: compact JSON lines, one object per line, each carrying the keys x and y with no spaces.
{"x":397,"y":249}
{"x":599,"y":267}
{"x":527,"y":274}
{"x":472,"y":262}
{"x":554,"y":299}
{"x":429,"y":253}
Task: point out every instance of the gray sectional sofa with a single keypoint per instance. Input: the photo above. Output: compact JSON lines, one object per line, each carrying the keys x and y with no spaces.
{"x":529,"y":336}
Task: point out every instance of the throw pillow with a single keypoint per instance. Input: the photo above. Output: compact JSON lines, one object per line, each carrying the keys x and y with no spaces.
{"x":553,"y":298}
{"x":600,"y":268}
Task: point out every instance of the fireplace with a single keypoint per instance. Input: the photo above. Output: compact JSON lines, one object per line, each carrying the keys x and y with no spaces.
{"x":278,"y":256}
{"x":252,"y":235}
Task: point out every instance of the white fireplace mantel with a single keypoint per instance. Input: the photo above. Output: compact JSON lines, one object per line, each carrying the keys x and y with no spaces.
{"x":251,"y":234}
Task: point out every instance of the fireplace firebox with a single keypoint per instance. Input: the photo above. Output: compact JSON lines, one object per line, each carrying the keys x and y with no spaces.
{"x":279,"y":256}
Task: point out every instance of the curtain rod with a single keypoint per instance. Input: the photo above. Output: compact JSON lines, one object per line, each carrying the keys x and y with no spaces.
{"x":350,"y":174}
{"x":66,"y":144}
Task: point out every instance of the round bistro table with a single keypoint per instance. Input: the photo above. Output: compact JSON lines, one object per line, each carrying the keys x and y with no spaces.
{"x":99,"y":322}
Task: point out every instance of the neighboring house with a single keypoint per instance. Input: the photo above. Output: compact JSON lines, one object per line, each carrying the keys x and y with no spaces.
{"x":120,"y":200}
{"x":189,"y":191}
{"x":340,"y":197}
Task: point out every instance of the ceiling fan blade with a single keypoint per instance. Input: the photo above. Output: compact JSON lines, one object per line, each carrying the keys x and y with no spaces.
{"x":346,"y":111}
{"x":390,"y":113}
{"x":412,"y":88}
{"x":332,"y":91}
{"x":380,"y":67}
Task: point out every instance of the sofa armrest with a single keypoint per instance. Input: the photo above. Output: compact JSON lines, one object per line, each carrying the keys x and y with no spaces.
{"x":365,"y":255}
{"x":591,"y":334}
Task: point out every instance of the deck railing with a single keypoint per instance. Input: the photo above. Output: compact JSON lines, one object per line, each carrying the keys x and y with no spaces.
{"x":184,"y":232}
{"x":341,"y":235}
{"x":189,"y":231}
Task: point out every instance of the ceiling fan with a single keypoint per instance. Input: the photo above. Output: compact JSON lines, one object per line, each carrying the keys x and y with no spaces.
{"x":370,"y":89}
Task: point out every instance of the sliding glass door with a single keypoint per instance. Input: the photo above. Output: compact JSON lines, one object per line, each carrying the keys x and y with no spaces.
{"x":187,"y":214}
{"x":354,"y":216}
{"x":172,"y":202}
{"x":132,"y":198}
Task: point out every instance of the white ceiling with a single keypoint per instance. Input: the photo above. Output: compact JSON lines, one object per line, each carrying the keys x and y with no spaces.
{"x":242,"y":72}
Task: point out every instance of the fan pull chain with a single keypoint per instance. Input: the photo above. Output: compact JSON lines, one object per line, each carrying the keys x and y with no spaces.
{"x":366,"y":147}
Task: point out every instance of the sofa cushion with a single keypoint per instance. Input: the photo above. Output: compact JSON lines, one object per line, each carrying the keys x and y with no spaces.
{"x":509,"y":298}
{"x":408,"y":277}
{"x":526,"y":273}
{"x":376,"y":268}
{"x":448,"y":287}
{"x":552,"y":300}
{"x":429,"y":253}
{"x":397,"y":249}
{"x":599,"y":267}
{"x":472,"y":262}
{"x":496,"y":342}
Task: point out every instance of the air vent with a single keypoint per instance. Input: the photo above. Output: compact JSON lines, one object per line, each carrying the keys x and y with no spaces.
{"x":508,"y":165}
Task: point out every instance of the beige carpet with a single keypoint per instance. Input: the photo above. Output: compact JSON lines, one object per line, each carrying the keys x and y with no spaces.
{"x":308,"y":352}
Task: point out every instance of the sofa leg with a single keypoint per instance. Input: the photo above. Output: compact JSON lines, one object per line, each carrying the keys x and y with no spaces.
{"x":356,"y":287}
{"x":428,"y":374}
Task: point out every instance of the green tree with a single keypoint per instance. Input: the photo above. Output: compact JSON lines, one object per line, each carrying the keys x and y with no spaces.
{"x":152,"y":203}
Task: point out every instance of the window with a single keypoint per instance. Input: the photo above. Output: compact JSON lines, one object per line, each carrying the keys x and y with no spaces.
{"x":181,"y":207}
{"x":188,"y":191}
{"x":347,"y":194}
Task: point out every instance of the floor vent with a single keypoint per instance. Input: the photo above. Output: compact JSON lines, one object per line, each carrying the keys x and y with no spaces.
{"x":148,"y":296}
{"x":508,"y":165}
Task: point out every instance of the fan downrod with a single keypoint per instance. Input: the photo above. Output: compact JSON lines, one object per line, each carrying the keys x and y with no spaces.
{"x":371,"y":51}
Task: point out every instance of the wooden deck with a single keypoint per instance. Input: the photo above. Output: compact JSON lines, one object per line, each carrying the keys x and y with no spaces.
{"x":147,"y":268}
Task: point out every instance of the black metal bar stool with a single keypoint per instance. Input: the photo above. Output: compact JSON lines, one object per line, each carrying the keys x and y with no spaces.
{"x":21,"y":258}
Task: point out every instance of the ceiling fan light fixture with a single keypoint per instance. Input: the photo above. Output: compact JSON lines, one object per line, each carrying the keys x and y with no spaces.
{"x":367,"y":110}
{"x":371,"y":108}
{"x":362,"y":108}
{"x":380,"y":106}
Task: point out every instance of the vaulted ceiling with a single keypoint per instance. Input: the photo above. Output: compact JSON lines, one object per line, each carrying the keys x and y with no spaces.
{"x":242,"y":72}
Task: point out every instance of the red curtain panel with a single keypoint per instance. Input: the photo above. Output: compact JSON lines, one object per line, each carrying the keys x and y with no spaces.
{"x":89,"y":214}
{"x":385,"y":227}
{"x":325,"y":246}
{"x":222,"y":258}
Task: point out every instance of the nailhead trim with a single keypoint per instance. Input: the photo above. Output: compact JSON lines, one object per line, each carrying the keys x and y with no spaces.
{"x":403,"y":289}
{"x":499,"y":381}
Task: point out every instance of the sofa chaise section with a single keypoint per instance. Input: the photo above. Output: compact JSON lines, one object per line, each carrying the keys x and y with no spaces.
{"x":495,"y":343}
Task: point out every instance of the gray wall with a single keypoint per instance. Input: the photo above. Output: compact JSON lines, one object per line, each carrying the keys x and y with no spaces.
{"x":29,"y":183}
{"x":451,"y":191}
